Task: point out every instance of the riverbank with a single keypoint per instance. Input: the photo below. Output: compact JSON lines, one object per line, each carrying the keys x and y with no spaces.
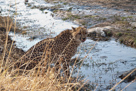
{"x":117,"y":14}
{"x":127,"y":5}
{"x":123,"y":31}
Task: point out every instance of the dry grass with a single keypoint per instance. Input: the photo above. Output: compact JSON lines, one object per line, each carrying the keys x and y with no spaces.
{"x":31,"y":80}
{"x":123,"y":80}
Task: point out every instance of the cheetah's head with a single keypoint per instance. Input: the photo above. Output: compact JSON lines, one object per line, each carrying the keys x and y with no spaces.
{"x":79,"y":33}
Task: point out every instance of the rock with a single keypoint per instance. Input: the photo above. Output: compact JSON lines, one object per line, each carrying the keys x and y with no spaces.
{"x":99,"y":31}
{"x":133,"y":24}
{"x":80,"y":21}
{"x":129,"y":78}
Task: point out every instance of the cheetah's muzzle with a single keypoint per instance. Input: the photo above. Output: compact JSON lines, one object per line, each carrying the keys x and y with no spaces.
{"x":83,"y":39}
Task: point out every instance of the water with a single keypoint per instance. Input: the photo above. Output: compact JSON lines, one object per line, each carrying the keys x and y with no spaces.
{"x":35,"y":20}
{"x":104,"y":62}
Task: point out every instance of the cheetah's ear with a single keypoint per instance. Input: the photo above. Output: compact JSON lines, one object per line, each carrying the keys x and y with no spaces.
{"x":73,"y":29}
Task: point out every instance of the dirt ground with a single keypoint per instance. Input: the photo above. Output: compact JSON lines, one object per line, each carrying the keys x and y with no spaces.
{"x":124,"y":27}
{"x":127,"y":5}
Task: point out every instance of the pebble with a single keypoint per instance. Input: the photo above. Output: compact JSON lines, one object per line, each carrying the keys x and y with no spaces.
{"x":133,"y":24}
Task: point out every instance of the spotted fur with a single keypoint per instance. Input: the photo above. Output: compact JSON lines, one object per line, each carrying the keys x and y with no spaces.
{"x":58,"y":49}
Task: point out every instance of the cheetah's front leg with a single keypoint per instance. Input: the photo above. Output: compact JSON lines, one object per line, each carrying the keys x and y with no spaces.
{"x":66,"y":68}
{"x":65,"y":64}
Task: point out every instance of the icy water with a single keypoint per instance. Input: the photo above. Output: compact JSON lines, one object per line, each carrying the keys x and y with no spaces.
{"x":104,"y":63}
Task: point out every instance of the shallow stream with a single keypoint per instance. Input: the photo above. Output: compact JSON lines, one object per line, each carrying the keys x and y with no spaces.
{"x":104,"y":63}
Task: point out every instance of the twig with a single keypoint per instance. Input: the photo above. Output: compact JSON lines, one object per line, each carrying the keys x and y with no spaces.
{"x":122,"y":79}
{"x":129,"y":84}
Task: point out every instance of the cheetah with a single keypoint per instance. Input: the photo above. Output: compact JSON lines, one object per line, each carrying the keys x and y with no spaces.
{"x":62,"y":47}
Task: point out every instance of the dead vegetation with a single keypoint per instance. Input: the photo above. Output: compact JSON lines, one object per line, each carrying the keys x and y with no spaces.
{"x":16,"y":79}
{"x":30,"y":81}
